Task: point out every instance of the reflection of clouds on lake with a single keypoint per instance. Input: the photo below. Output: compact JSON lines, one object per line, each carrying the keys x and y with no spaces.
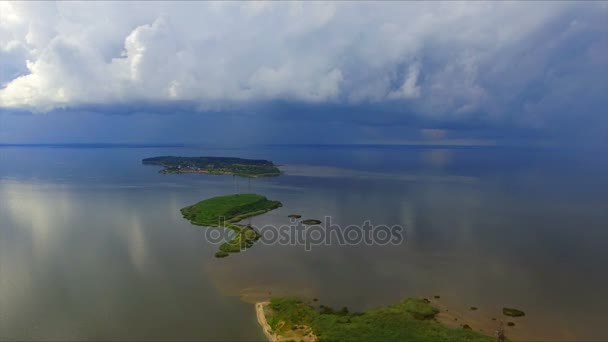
{"x":136,"y":243}
{"x":44,"y":213}
{"x":40,"y":212}
{"x":33,"y":219}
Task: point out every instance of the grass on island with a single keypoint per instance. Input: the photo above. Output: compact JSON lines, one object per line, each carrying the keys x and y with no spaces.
{"x":215,"y":166}
{"x":231,"y":207}
{"x":224,"y":211}
{"x":221,"y":254}
{"x":409,"y":320}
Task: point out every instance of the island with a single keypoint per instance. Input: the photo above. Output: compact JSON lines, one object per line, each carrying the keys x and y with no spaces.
{"x":225,"y":211}
{"x":215,"y":166}
{"x":310,"y":222}
{"x":413,"y":319}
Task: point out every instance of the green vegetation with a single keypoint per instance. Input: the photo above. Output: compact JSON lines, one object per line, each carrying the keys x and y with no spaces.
{"x":221,"y":254}
{"x":215,"y":166}
{"x":311,"y":222}
{"x":224,"y":211}
{"x":231,"y":208}
{"x":409,"y":320}
{"x":512,"y":312}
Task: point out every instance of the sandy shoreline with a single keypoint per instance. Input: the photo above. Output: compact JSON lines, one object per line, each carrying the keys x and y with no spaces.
{"x":303,"y":334}
{"x":259,"y":312}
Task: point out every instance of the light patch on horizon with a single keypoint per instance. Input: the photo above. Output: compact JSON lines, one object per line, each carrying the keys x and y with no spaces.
{"x":433,"y":133}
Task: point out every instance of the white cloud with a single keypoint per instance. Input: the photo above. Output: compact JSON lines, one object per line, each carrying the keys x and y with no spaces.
{"x":438,"y":57}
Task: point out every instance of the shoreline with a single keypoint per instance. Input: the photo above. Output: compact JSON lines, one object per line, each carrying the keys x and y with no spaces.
{"x":213,"y":173}
{"x":261,"y":316}
{"x":272,"y":337}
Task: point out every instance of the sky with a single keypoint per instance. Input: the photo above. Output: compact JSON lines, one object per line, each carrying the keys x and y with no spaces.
{"x":304,"y":72}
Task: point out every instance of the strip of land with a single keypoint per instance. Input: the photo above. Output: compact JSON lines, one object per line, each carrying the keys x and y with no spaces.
{"x":215,"y":166}
{"x":259,"y":313}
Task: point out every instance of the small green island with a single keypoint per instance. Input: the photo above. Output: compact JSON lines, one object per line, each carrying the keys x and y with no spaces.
{"x":225,"y":211}
{"x":215,"y":166}
{"x":412,"y":319}
{"x":310,"y":222}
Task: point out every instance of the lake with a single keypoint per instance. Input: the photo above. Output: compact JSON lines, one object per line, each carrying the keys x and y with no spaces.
{"x":93,"y":246}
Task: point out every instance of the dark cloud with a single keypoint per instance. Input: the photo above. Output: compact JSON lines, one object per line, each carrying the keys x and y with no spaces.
{"x":524,"y":69}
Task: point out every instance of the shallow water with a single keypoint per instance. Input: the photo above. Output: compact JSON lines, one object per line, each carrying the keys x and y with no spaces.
{"x":92,"y":244}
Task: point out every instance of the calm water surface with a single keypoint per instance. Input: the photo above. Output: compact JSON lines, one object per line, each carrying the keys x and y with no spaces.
{"x":92,"y":244}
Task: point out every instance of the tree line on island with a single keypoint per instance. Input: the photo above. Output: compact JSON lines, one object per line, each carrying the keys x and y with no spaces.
{"x":215,"y":165}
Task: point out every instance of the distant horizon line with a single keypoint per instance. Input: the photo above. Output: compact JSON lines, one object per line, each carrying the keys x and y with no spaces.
{"x":428,"y":144}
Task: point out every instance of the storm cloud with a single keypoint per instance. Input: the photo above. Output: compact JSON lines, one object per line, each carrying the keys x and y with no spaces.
{"x":531,"y":63}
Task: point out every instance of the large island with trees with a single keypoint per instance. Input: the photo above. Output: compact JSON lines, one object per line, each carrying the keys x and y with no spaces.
{"x":215,"y":166}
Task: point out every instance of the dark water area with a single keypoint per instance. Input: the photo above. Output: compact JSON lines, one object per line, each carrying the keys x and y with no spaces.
{"x":93,"y":246}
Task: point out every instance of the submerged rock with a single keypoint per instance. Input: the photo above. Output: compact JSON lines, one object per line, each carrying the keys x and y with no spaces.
{"x":513,"y":312}
{"x":311,"y":222}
